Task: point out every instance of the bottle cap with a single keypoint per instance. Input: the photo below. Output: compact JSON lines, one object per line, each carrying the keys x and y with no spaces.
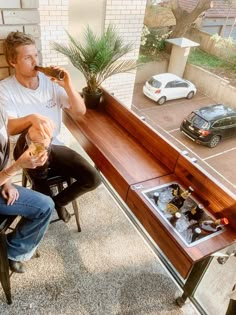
{"x":200,"y":206}
{"x":224,"y":221}
{"x":197,"y":230}
{"x":177,"y":215}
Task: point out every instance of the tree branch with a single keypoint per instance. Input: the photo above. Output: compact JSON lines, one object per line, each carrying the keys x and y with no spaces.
{"x":179,"y":12}
{"x":176,"y":9}
{"x":203,"y":5}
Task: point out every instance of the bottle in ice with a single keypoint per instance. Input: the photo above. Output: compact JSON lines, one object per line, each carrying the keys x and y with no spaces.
{"x":177,"y":202}
{"x":195,"y":213}
{"x":175,"y":189}
{"x":155,"y":197}
{"x":175,"y":217}
{"x":51,"y":72}
{"x":195,"y":234}
{"x":210,"y":225}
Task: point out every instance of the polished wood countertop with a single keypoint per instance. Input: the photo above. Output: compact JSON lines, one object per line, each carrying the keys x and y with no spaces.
{"x":130,"y":154}
{"x":116,"y":153}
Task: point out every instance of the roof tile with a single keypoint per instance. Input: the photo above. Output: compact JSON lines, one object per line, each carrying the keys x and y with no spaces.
{"x":220,"y":9}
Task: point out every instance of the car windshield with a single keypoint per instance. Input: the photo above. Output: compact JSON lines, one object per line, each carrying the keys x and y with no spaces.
{"x":154,"y":83}
{"x":198,"y":121}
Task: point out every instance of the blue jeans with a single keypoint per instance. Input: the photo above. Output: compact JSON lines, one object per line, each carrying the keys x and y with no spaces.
{"x":35,"y":210}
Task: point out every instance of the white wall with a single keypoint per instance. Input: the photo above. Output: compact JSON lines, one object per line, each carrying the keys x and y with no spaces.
{"x":82,"y":13}
{"x":53,"y":22}
{"x":75,"y":15}
{"x":128,"y":16}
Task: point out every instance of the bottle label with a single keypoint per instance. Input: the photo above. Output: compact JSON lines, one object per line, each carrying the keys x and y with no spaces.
{"x":193,"y":210}
{"x":175,"y":192}
{"x":171,"y":208}
{"x":185,"y":194}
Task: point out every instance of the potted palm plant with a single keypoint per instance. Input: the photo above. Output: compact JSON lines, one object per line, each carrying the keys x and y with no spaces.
{"x":97,"y":58}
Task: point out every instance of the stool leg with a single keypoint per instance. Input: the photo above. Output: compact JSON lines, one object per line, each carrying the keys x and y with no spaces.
{"x":24,"y":179}
{"x":76,"y":212}
{"x":4,"y":269}
{"x":75,"y":207}
{"x":60,"y":186}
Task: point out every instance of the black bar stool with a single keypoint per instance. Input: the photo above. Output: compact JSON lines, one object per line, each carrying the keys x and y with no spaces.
{"x":5,"y":225}
{"x":56,"y":184}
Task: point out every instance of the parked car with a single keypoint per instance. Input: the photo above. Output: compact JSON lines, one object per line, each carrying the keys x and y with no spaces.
{"x":210,"y":124}
{"x":168,"y":86}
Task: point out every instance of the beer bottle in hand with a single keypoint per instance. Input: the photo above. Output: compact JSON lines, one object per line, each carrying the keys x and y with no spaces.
{"x":177,"y":202}
{"x":51,"y":72}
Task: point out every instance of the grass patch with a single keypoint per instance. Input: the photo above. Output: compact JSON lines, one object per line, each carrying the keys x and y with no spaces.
{"x":159,"y":56}
{"x":200,"y":58}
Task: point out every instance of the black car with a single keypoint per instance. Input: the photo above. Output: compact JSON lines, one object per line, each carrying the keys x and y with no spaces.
{"x":210,"y":124}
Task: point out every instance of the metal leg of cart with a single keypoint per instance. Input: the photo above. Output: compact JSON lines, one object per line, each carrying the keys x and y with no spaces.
{"x":194,"y":279}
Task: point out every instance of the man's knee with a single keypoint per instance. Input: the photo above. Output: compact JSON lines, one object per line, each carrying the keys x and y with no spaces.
{"x":47,"y":205}
{"x":95,"y":179}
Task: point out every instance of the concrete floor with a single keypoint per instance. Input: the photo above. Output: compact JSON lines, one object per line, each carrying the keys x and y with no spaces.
{"x":107,"y":269}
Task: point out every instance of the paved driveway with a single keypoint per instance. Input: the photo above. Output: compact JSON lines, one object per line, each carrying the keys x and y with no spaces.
{"x":218,"y":161}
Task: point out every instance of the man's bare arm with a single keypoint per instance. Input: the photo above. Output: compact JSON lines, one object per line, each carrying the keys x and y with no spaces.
{"x":18,"y":125}
{"x":76,"y":102}
{"x":77,"y":106}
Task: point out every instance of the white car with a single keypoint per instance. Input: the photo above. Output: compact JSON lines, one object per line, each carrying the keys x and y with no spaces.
{"x":168,"y":86}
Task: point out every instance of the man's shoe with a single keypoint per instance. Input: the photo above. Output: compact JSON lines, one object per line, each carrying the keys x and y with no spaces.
{"x":16,"y":266}
{"x":63,"y":214}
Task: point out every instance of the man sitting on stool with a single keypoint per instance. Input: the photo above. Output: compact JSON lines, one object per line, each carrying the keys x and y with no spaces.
{"x":33,"y":99}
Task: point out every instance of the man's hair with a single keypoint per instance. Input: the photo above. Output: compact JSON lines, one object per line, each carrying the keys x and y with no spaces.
{"x":14,"y":40}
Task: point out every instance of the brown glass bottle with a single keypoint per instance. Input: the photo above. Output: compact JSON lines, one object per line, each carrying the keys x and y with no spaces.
{"x":210,"y":226}
{"x":195,"y":213}
{"x":177,"y":202}
{"x":175,"y":189}
{"x":175,"y":217}
{"x":196,"y":232}
{"x":51,"y":72}
{"x":155,"y":197}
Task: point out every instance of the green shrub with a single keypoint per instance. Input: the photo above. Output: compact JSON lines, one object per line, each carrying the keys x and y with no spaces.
{"x":153,"y":40}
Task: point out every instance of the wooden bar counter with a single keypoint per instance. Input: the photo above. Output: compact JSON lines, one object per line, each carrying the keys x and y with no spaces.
{"x":133,"y":157}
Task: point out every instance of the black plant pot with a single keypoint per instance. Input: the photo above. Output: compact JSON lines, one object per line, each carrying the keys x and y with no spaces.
{"x":91,"y":100}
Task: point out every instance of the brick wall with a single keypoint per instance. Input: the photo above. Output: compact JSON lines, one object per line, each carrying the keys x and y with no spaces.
{"x":128,"y":16}
{"x":44,"y":19}
{"x":21,"y":15}
{"x":53,"y":22}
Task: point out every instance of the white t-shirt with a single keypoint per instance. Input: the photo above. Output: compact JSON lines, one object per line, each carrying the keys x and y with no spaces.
{"x":47,"y":100}
{"x":4,"y":145}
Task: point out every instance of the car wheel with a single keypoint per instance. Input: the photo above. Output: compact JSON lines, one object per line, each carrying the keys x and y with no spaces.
{"x":161,"y":100}
{"x":190,"y":95}
{"x":214,"y":141}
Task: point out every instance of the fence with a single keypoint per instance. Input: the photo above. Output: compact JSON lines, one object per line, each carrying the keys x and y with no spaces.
{"x":223,"y":48}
